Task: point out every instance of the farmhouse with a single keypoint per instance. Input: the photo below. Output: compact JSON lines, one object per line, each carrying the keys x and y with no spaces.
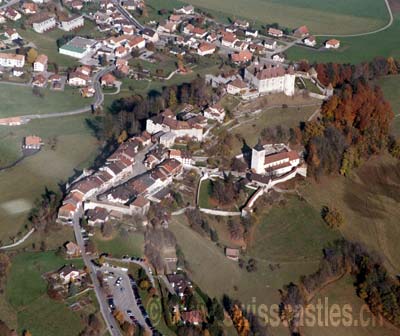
{"x":44,"y":23}
{"x":301,"y":32}
{"x":32,"y":142}
{"x":78,"y":47}
{"x":187,"y":10}
{"x":228,"y":39}
{"x":72,"y":23}
{"x":12,"y":60}
{"x":271,"y":79}
{"x":332,"y":44}
{"x":275,"y":32}
{"x":40,"y":63}
{"x":275,"y":163}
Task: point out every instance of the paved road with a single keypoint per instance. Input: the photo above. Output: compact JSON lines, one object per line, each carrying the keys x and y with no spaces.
{"x":19,"y":242}
{"x":98,"y":100}
{"x":128,"y":16}
{"x":367,"y":33}
{"x":108,"y":318}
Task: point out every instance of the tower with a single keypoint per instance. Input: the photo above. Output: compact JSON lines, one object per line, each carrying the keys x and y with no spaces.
{"x":258,"y":159}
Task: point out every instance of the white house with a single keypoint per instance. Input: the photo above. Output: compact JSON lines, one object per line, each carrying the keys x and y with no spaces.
{"x":12,"y":34}
{"x":72,"y":23}
{"x":167,"y":139}
{"x":310,"y":41}
{"x":12,"y":14}
{"x":215,"y":112}
{"x":205,"y":48}
{"x":271,"y":79}
{"x":275,"y":32}
{"x":236,"y":86}
{"x":277,"y":163}
{"x":40,"y":63}
{"x":12,"y":60}
{"x":229,"y":40}
{"x":44,"y":24}
{"x":332,"y":44}
{"x":150,"y":35}
{"x":270,"y":44}
{"x":78,"y":79}
{"x":187,"y":10}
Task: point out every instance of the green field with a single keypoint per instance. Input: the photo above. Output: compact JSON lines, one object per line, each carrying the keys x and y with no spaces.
{"x":354,"y":49}
{"x":322,"y":17}
{"x":391,"y":89}
{"x":26,"y":294}
{"x":121,"y":244}
{"x":18,"y":101}
{"x":75,"y":147}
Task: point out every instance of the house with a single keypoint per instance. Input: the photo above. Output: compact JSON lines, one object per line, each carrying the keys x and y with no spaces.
{"x":301,"y":32}
{"x":78,"y":47}
{"x":78,"y":79}
{"x":243,"y":24}
{"x":275,"y":32}
{"x":186,"y":10}
{"x":310,"y":41}
{"x":236,"y":87}
{"x":12,"y":60}
{"x":194,"y":317}
{"x":39,"y":81}
{"x":137,"y":42}
{"x":228,"y":39}
{"x":267,"y":78}
{"x":29,"y":8}
{"x":275,"y":163}
{"x":270,"y":44}
{"x":121,"y":51}
{"x":12,"y":34}
{"x":332,"y":44}
{"x":128,"y":30}
{"x":150,"y":35}
{"x":167,"y":27}
{"x":167,"y":139}
{"x":32,"y":142}
{"x":251,"y":33}
{"x":88,"y":92}
{"x":78,"y":5}
{"x":72,"y":249}
{"x":279,"y":57}
{"x":66,"y":213}
{"x":240,"y":45}
{"x":212,"y":37}
{"x":140,"y":206}
{"x":12,"y":14}
{"x":13,"y":121}
{"x":108,"y":80}
{"x":215,"y":112}
{"x":2,"y":19}
{"x":232,"y":253}
{"x":71,"y":23}
{"x":68,"y":274}
{"x":44,"y":23}
{"x":205,"y":48}
{"x":97,"y":216}
{"x":241,"y":57}
{"x":180,"y":283}
{"x":40,"y":63}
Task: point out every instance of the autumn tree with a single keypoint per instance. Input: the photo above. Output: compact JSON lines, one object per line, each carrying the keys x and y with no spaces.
{"x":31,"y":56}
{"x":332,"y":217}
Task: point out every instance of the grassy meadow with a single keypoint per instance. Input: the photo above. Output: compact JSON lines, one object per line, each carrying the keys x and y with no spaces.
{"x":75,"y":147}
{"x":26,"y":301}
{"x":18,"y":101}
{"x":322,"y":17}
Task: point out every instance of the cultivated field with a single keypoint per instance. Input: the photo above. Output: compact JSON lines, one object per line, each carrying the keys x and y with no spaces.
{"x":75,"y":147}
{"x":322,"y":17}
{"x":17,"y":100}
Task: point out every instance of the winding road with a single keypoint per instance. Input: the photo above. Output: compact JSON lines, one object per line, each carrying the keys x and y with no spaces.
{"x":391,"y":19}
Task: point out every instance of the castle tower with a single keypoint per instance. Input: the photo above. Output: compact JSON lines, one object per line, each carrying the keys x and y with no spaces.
{"x":258,"y":159}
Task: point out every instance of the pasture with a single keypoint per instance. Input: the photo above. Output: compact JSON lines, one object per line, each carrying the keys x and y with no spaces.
{"x":26,"y":294}
{"x":391,"y":89}
{"x":72,"y":147}
{"x":122,"y":243}
{"x":322,"y":17}
{"x":18,"y":101}
{"x":354,"y":49}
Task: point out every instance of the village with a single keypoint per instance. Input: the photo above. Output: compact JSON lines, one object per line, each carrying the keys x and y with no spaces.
{"x":147,"y":170}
